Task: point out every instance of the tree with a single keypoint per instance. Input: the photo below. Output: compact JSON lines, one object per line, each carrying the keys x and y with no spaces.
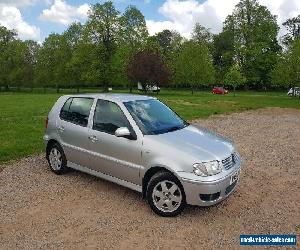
{"x":133,"y":38}
{"x":148,"y":68}
{"x":164,"y":39}
{"x":280,"y":74}
{"x":73,"y":36}
{"x":234,"y":77}
{"x":293,"y":63}
{"x":166,"y":42}
{"x":18,"y":61}
{"x":133,"y":28}
{"x":103,"y":29}
{"x":194,"y":65}
{"x":223,"y":53}
{"x":171,"y":57}
{"x":87,"y":63}
{"x":32,"y":49}
{"x":15,"y":53}
{"x":176,"y":41}
{"x":287,"y":71}
{"x":293,"y":30}
{"x":254,"y":34}
{"x":52,"y":61}
{"x":6,"y":38}
{"x":119,"y":64}
{"x":23,"y":59}
{"x":201,"y":34}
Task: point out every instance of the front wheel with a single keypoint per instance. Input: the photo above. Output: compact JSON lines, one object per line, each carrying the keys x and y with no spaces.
{"x":165,"y":194}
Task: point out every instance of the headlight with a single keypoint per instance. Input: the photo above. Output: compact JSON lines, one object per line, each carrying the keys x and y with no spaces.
{"x":207,"y":168}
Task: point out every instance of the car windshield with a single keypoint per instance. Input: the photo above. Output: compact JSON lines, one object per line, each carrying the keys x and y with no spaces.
{"x":153,"y":117}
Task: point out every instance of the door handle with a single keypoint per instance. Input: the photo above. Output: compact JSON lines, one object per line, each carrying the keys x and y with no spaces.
{"x":93,"y":138}
{"x":61,"y":128}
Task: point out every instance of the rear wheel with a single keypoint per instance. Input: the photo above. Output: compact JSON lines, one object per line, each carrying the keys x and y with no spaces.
{"x":165,"y":194}
{"x":56,"y":159}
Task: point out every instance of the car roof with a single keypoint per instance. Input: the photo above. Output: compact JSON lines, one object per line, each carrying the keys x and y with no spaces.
{"x":115,"y":97}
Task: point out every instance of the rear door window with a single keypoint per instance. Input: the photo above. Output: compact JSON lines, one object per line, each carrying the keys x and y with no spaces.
{"x":77,"y":110}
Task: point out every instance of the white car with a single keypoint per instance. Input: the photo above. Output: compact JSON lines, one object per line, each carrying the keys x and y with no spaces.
{"x":153,"y":88}
{"x":296,"y":92}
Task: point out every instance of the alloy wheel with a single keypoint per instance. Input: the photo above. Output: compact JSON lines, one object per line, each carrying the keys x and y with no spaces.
{"x":167,"y":196}
{"x":55,"y":159}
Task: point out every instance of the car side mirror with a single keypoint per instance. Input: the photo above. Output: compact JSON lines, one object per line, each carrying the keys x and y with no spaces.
{"x":122,"y":132}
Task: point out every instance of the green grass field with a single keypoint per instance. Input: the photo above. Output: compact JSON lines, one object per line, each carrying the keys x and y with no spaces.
{"x":22,"y":115}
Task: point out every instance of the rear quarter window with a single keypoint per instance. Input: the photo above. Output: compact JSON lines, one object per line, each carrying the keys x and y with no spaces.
{"x":77,"y":110}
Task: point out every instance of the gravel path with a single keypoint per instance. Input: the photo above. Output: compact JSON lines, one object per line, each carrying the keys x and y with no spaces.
{"x":76,"y":211}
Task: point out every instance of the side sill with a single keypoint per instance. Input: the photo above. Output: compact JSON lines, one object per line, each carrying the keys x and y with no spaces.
{"x":105,"y":177}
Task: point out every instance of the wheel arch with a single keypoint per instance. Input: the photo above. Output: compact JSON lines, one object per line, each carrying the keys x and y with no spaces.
{"x":49,"y":144}
{"x":148,"y":175}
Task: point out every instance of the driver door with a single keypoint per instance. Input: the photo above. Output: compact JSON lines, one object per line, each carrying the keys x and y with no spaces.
{"x":115,"y":156}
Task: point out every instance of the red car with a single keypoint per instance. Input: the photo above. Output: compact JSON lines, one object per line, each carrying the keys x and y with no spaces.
{"x":219,"y":90}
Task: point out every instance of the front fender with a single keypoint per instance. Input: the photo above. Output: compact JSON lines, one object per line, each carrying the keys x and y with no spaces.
{"x":161,"y":162}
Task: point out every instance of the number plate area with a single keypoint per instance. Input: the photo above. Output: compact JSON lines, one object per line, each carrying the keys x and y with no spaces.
{"x":234,"y":177}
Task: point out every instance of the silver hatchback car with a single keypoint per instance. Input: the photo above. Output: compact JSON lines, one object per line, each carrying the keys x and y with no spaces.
{"x":138,"y":142}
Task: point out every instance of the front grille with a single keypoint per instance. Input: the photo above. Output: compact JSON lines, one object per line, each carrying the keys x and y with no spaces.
{"x":229,"y":161}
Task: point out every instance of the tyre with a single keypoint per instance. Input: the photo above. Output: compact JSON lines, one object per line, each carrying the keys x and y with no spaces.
{"x":56,"y":158}
{"x":165,"y":194}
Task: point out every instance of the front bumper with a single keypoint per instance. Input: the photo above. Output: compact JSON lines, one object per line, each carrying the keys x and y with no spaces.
{"x":209,"y":193}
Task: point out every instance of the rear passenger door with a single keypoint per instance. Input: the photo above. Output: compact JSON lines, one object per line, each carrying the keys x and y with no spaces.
{"x":73,"y":129}
{"x":116,"y":156}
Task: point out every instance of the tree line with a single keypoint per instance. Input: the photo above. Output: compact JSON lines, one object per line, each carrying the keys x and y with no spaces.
{"x":114,"y":49}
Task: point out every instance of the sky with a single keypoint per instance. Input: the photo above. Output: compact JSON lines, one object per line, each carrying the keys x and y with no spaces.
{"x":36,"y":19}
